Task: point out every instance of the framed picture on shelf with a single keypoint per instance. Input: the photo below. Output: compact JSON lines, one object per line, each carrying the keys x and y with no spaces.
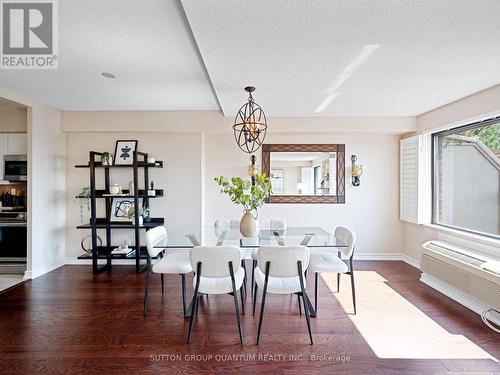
{"x":124,"y":152}
{"x":120,"y":208}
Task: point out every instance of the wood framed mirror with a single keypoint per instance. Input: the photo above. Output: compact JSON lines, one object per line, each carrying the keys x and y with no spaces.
{"x":305,"y":173}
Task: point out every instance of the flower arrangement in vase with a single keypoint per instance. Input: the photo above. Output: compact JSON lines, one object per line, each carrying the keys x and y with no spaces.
{"x":251,"y":197}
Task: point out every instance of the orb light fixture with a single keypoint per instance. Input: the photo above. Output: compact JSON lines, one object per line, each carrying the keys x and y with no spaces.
{"x":250,"y":125}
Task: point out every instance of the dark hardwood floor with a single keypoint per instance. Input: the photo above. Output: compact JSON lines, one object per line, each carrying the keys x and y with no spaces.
{"x":71,"y":322}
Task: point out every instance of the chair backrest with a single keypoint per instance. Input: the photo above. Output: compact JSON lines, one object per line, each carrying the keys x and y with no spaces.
{"x":283,"y":259}
{"x":155,"y":238}
{"x":215,"y":259}
{"x":227,"y":223}
{"x":347,"y":236}
{"x":274,"y":225}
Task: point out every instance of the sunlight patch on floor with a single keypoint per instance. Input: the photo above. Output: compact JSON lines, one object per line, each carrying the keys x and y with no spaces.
{"x":6,"y":281}
{"x":394,"y":327}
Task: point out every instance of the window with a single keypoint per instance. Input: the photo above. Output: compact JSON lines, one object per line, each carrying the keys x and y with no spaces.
{"x":466,"y":178}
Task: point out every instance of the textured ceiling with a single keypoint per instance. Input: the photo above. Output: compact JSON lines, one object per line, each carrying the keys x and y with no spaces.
{"x":347,"y":58}
{"x":147,"y":44}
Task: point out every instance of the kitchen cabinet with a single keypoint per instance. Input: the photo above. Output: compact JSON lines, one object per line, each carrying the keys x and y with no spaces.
{"x":17,"y":144}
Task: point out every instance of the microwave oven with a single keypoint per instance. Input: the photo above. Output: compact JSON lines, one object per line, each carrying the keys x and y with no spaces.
{"x":15,"y":168}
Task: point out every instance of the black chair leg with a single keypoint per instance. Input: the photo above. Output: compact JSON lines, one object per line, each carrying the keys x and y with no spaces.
{"x":353,"y":288}
{"x":264,"y":291}
{"x":305,"y":299}
{"x":162,"y":285}
{"x":263,"y":303}
{"x":242,"y":301}
{"x":183,"y":286}
{"x":194,"y":312}
{"x":338,"y":282}
{"x":146,"y":290}
{"x":254,"y":298}
{"x":254,"y":264}
{"x":238,"y":319}
{"x":316,"y":292}
{"x":306,"y":309}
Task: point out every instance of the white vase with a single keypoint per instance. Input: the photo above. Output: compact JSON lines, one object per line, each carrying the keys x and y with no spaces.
{"x":249,"y":225}
{"x":141,"y":220}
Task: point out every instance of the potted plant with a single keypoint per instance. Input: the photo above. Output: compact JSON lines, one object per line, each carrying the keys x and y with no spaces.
{"x":106,"y":159}
{"x":251,"y":197}
{"x":143,"y":214}
{"x":84,"y":200}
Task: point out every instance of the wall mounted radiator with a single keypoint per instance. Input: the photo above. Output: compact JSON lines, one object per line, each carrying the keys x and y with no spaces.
{"x":467,"y":277}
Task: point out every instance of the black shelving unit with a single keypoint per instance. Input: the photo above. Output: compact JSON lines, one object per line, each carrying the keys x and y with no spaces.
{"x":104,"y":252}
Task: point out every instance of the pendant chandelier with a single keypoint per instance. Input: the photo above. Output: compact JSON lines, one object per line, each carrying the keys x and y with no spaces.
{"x":250,"y":125}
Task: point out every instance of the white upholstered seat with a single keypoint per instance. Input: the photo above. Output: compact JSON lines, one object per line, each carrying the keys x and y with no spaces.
{"x":217,"y":271}
{"x":171,"y":263}
{"x":280,"y":270}
{"x":327,"y":263}
{"x":220,"y":285}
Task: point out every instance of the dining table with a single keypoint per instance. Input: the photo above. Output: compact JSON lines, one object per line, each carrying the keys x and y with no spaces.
{"x":315,"y":238}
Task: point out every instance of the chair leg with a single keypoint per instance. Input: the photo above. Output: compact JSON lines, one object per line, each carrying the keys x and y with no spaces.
{"x":304,"y":299}
{"x":353,"y":288}
{"x":193,"y":316}
{"x":316,"y":292}
{"x":254,"y":298}
{"x":238,"y":319}
{"x":263,"y":304}
{"x":338,"y":282}
{"x":242,"y":301}
{"x":162,"y":285}
{"x":300,"y":308}
{"x":146,"y":290}
{"x":254,"y":264}
{"x":307,"y":316}
{"x":183,"y":287}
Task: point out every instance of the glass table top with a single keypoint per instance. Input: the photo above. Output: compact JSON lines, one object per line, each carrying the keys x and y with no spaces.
{"x":187,"y":237}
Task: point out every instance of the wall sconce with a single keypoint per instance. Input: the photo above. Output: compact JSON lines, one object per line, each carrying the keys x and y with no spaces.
{"x":356,"y":172}
{"x":253,"y":169}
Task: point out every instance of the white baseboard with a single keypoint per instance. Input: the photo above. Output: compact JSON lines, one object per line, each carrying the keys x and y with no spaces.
{"x":388,"y":256}
{"x":357,"y":256}
{"x":44,"y":269}
{"x":457,"y":295}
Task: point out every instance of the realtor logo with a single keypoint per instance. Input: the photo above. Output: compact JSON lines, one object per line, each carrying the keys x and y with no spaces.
{"x":29,"y":34}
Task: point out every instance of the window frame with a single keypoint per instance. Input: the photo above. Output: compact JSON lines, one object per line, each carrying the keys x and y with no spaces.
{"x":434,"y":170}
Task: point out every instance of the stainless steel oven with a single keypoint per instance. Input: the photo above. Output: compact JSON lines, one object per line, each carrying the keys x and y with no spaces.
{"x":13,"y":242}
{"x":15,"y":168}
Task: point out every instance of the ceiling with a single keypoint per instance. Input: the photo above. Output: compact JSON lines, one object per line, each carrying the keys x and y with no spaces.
{"x":354,"y":58}
{"x":147,"y":44}
{"x":306,"y":58}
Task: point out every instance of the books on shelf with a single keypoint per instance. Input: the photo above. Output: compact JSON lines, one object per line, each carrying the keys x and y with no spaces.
{"x":122,"y":250}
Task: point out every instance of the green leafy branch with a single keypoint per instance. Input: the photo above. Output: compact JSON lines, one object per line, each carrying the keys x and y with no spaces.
{"x":242,"y":192}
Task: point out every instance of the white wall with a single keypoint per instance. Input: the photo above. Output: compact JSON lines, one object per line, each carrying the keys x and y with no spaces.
{"x":180,"y":178}
{"x":46,"y":186}
{"x":371,"y":209}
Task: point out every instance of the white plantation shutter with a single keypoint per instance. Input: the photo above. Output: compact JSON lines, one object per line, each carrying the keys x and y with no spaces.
{"x":410,"y":179}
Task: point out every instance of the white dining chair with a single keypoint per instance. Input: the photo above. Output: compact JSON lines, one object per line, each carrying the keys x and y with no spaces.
{"x":275,"y":225}
{"x":221,"y":229}
{"x":280,"y":270}
{"x":169,"y":263}
{"x":329,"y":262}
{"x":217,"y":271}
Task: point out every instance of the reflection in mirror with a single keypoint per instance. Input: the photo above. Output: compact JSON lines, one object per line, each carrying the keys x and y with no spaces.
{"x":304,"y":173}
